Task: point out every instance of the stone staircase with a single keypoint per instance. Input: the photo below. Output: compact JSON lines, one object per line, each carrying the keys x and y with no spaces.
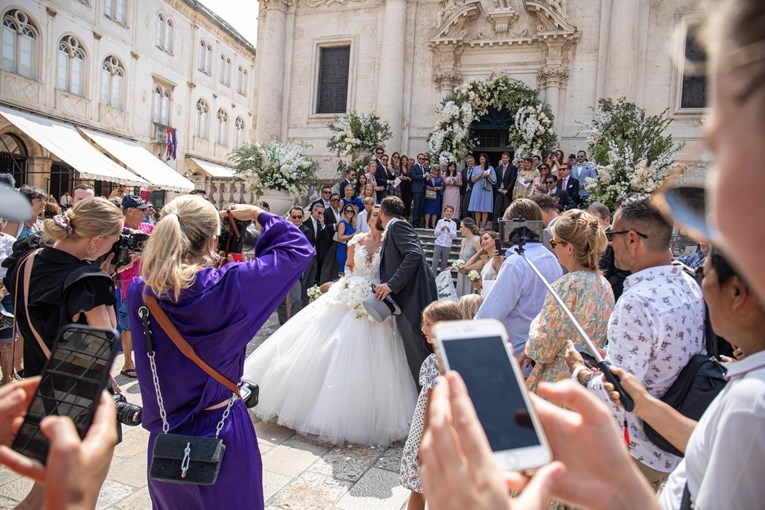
{"x":428,"y":240}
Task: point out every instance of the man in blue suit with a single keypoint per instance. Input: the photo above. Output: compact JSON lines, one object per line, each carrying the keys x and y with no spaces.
{"x":418,"y":190}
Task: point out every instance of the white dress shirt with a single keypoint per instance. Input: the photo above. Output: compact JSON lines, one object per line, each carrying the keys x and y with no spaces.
{"x":361,"y":221}
{"x":445,"y":238}
{"x":518,"y":295}
{"x":655,"y":328}
{"x":724,"y":459}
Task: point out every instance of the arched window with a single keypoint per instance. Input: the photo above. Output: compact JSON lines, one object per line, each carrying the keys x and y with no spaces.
{"x":19,"y":43}
{"x":164,"y":38}
{"x":225,"y":69}
{"x":239,"y":125}
{"x":71,"y":66}
{"x":160,"y":105}
{"x":112,"y":77}
{"x":222,"y":137}
{"x":241,"y":82}
{"x":205,"y":57}
{"x":200,"y":119}
{"x":115,"y":9}
{"x":13,"y":157}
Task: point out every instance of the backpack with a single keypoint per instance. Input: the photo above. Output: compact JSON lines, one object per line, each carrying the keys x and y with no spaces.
{"x":695,"y":388}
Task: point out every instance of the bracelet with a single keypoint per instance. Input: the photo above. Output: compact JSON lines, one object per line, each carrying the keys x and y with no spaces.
{"x":575,"y":373}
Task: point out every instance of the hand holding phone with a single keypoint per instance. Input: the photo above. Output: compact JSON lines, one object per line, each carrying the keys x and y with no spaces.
{"x":479,"y":351}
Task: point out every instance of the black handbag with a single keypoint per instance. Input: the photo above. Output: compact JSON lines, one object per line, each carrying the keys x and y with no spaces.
{"x":178,"y":458}
{"x":187,"y":459}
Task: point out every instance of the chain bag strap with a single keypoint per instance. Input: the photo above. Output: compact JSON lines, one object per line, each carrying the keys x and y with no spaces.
{"x":178,"y":458}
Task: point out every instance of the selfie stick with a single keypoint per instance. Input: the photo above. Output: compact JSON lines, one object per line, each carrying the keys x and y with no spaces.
{"x":603,"y":365}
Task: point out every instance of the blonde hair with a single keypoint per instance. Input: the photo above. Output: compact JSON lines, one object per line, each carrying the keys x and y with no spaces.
{"x":469,"y":305}
{"x":180,"y":239}
{"x":443,"y":310}
{"x":89,"y":218}
{"x":582,"y":230}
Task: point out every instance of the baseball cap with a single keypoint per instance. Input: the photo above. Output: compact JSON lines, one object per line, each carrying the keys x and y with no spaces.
{"x":133,"y":201}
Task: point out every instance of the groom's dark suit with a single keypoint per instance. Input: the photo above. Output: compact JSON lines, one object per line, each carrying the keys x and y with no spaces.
{"x":404,"y":268}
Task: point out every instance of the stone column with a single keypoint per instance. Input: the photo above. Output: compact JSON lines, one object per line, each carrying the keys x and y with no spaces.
{"x":552,"y":84}
{"x":623,"y":47}
{"x":390,"y":82}
{"x":270,"y":64}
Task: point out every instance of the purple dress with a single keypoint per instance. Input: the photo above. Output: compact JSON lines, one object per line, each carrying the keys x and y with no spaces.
{"x":218,"y":315}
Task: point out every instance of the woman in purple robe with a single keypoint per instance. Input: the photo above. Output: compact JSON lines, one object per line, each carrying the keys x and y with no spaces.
{"x":217,"y":311}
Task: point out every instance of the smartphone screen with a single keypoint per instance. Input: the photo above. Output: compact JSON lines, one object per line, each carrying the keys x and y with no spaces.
{"x":494,"y":389}
{"x":71,"y":384}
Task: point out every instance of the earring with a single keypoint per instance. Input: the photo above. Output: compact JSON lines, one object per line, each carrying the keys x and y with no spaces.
{"x":90,"y":250}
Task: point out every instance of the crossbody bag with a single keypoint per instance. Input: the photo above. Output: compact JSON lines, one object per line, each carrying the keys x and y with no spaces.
{"x":178,"y":458}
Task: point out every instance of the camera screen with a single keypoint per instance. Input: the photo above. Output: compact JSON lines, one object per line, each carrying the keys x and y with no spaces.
{"x":485,"y":367}
{"x":71,"y":385}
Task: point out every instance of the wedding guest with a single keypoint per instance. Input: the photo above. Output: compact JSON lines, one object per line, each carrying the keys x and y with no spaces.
{"x":293,"y":303}
{"x":34,"y":224}
{"x":361,"y":219}
{"x":81,"y":192}
{"x":332,"y":216}
{"x":487,"y":261}
{"x":469,"y":246}
{"x":544,"y":172}
{"x":417,"y":175}
{"x":524,"y":185}
{"x":368,"y":192}
{"x":406,"y":185}
{"x":348,"y":199}
{"x":214,"y":310}
{"x":453,"y":182}
{"x":581,"y":170}
{"x":380,"y":173}
{"x":613,"y":274}
{"x":507,"y":174}
{"x":438,"y":311}
{"x":445,"y":232}
{"x":349,"y":179}
{"x":345,"y":230}
{"x":482,"y":178}
{"x":579,"y":242}
{"x":372,"y":178}
{"x":469,"y":305}
{"x":434,"y":186}
{"x":361,"y":183}
{"x":394,"y":172}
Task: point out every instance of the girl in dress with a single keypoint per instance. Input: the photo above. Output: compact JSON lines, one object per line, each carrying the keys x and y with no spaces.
{"x":410,"y":467}
{"x":331,"y":371}
{"x":486,"y":261}
{"x":469,"y":246}
{"x":483,"y":179}
{"x":453,"y":182}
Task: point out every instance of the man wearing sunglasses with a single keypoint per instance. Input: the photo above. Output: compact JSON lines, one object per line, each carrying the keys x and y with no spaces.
{"x":564,"y":199}
{"x":656,"y":326}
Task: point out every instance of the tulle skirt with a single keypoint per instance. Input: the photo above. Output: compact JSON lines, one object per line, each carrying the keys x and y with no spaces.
{"x":329,"y":373}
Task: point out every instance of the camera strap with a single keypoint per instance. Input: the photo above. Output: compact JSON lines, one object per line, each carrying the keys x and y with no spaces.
{"x":27,"y":265}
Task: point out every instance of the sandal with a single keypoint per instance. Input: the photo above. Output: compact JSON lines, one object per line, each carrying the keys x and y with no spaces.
{"x":129,"y":372}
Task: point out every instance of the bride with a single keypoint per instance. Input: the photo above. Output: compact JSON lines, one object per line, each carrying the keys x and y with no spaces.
{"x":331,"y":371}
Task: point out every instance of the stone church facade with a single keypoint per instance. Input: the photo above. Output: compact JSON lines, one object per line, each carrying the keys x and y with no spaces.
{"x":400,"y":58}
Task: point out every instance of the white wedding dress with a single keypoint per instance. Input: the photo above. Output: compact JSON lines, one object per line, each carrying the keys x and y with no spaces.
{"x":332,"y":372}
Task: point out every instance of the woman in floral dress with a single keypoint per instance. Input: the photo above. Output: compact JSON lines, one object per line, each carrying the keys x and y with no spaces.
{"x":524,"y":185}
{"x":579,"y":242}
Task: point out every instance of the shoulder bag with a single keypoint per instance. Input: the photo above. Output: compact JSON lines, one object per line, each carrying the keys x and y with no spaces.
{"x":179,"y":458}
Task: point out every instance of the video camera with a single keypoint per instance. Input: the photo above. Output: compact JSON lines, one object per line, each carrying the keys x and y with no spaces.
{"x":126,"y":245}
{"x":518,"y":232}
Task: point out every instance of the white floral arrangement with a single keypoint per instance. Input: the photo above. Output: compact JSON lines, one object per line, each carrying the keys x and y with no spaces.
{"x":532,"y":130}
{"x":274,"y":166}
{"x":458,"y":264}
{"x":473,"y":276}
{"x":314,"y":293}
{"x":630,"y":151}
{"x":451,"y":138}
{"x":355,"y":137}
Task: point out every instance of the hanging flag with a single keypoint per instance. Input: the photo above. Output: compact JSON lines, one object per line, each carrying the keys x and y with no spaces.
{"x":172,"y":144}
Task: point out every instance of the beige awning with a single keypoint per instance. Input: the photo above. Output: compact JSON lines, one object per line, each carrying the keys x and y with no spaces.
{"x":65,"y":142}
{"x":141,"y":161}
{"x":213,"y":169}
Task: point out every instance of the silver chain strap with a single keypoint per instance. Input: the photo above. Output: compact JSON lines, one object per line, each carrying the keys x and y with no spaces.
{"x":161,"y":402}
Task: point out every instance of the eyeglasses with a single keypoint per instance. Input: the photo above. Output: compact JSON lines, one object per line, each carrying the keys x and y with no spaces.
{"x":297,"y":217}
{"x":420,"y":159}
{"x":556,"y":242}
{"x":334,"y":199}
{"x":349,"y":211}
{"x":326,"y":192}
{"x":549,"y":182}
{"x":378,"y":152}
{"x":611,"y":233}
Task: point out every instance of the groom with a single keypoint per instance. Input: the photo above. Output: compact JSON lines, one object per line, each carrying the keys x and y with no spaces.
{"x":405,"y":274}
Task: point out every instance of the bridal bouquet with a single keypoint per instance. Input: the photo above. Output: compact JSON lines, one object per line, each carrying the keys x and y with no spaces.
{"x":458,"y":264}
{"x":473,"y":276}
{"x":314,"y":293}
{"x":274,"y":166}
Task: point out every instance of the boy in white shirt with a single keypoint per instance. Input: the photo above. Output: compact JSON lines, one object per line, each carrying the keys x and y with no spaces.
{"x":361,"y":219}
{"x":445,"y":232}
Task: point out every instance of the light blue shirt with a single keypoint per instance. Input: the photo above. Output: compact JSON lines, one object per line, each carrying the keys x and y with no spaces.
{"x":518,"y":295}
{"x":581,"y":172}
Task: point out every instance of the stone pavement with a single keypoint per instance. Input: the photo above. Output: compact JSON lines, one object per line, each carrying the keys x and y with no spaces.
{"x":297,"y":473}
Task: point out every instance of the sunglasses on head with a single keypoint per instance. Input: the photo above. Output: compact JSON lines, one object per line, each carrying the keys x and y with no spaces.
{"x":556,"y":242}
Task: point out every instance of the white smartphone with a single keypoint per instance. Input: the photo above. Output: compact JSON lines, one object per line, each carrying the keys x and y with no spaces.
{"x":480,"y":352}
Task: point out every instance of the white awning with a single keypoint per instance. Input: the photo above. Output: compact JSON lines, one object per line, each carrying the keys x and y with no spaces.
{"x":141,"y":161}
{"x":214,"y":169}
{"x":65,"y":142}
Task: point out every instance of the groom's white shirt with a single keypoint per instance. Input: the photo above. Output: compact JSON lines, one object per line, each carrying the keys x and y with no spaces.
{"x":391,"y":222}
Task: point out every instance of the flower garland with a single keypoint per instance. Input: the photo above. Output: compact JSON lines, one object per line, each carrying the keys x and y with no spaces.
{"x":532,"y":129}
{"x":630,"y":151}
{"x":355,"y":138}
{"x":274,"y":166}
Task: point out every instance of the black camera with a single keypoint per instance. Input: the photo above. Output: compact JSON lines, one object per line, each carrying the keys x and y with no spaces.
{"x":127,"y":244}
{"x":232,"y":236}
{"x":250,"y":393}
{"x":127,"y":413}
{"x":518,"y":232}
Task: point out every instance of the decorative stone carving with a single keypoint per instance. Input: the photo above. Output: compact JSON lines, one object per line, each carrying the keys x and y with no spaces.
{"x":552,"y":77}
{"x":503,"y":18}
{"x":51,"y":12}
{"x":447,"y":79}
{"x":324,"y":3}
{"x":135,"y":55}
{"x":275,"y":4}
{"x":96,"y":35}
{"x":454,"y":15}
{"x":20,"y":88}
{"x":72,"y":105}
